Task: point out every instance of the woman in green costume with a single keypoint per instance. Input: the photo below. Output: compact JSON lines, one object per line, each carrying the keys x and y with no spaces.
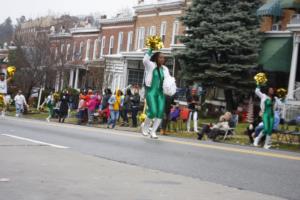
{"x":155,"y":73}
{"x":267,"y":108}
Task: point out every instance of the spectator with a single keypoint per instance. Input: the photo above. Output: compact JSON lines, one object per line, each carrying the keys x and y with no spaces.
{"x":175,"y":115}
{"x":193,"y":102}
{"x":114,"y":108}
{"x":214,"y":130}
{"x":20,"y":102}
{"x":81,"y":108}
{"x":126,"y":107}
{"x":135,"y":104}
{"x":64,"y":107}
{"x":91,"y":106}
{"x":166,"y":119}
{"x":104,"y":107}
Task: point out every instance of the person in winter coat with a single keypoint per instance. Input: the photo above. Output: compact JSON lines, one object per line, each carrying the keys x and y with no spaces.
{"x":135,"y":104}
{"x":64,"y":107}
{"x":20,"y":102}
{"x":127,"y":106}
{"x":91,"y":106}
{"x":114,"y":108}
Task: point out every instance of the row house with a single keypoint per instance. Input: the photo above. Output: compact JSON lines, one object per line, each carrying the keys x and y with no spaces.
{"x":161,"y":18}
{"x":117,"y":37}
{"x":76,"y":54}
{"x":280,"y":23}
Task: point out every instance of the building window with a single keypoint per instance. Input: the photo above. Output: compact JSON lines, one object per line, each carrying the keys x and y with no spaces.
{"x":163,"y":31}
{"x":74,"y":51}
{"x":95,"y":49}
{"x":175,"y":32}
{"x":87,"y":51}
{"x":62,"y":47}
{"x":129,"y":41}
{"x":80,"y":50}
{"x":120,"y":42}
{"x":111,"y":45}
{"x":102,"y":46}
{"x":56,"y":53}
{"x":152,"y":30}
{"x":135,"y":76}
{"x":68,"y":52}
{"x":141,"y":38}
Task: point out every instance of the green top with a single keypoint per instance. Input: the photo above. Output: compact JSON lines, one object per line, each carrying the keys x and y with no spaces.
{"x":158,"y":77}
{"x":269,"y":107}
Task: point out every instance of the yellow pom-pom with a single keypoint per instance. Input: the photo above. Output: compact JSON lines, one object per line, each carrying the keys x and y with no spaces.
{"x":1,"y":100}
{"x":56,"y":96}
{"x":154,"y":42}
{"x":11,"y":71}
{"x":260,"y":78}
{"x":142,"y":117}
{"x":281,"y":92}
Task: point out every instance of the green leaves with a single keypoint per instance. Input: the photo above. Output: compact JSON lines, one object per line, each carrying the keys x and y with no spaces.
{"x":222,"y":41}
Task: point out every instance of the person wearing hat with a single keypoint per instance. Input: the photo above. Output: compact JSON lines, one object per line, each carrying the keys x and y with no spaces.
{"x":3,"y":92}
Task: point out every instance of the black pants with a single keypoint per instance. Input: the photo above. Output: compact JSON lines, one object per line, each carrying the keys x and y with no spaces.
{"x":165,"y":121}
{"x":125,"y":116}
{"x":211,"y":133}
{"x":134,"y":116}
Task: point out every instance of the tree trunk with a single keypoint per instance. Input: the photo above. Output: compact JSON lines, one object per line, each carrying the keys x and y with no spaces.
{"x":230,"y":103}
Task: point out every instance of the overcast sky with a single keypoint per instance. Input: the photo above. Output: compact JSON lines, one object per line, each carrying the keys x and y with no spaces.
{"x":36,"y":8}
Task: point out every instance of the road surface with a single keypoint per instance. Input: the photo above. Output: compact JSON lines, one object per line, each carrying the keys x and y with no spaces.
{"x":42,"y":160}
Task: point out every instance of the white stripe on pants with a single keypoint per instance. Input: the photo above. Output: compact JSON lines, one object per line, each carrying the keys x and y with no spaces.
{"x":194,"y":115}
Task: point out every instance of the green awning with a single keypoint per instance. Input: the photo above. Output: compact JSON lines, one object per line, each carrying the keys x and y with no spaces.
{"x":272,"y":7}
{"x":290,"y":4}
{"x":276,"y":54}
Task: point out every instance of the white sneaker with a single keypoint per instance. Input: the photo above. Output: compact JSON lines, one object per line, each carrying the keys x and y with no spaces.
{"x":145,"y":127}
{"x":268,"y":142}
{"x":156,"y":124}
{"x":47,"y":119}
{"x":153,"y":135}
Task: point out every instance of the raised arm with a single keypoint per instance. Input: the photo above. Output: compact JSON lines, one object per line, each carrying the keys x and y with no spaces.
{"x":147,"y":57}
{"x":259,"y":93}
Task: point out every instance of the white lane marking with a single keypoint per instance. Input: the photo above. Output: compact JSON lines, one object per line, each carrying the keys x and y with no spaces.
{"x":36,"y":141}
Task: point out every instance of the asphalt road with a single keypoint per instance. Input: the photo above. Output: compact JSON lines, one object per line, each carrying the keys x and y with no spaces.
{"x":168,"y":168}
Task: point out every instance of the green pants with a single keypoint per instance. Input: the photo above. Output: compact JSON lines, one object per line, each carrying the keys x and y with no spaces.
{"x":155,"y":103}
{"x":155,"y":97}
{"x":268,"y":118}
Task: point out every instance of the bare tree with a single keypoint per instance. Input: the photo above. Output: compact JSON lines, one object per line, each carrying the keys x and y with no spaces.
{"x":33,"y":61}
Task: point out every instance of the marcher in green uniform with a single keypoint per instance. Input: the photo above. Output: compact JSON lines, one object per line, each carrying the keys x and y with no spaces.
{"x":267,"y":108}
{"x":155,"y":72}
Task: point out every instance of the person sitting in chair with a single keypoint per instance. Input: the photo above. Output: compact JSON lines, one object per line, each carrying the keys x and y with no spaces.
{"x":214,"y":130}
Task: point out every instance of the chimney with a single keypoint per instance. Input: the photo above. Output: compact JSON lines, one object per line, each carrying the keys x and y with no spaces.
{"x":140,"y":1}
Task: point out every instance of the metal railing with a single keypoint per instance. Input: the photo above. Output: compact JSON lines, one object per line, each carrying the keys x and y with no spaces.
{"x":291,"y":110}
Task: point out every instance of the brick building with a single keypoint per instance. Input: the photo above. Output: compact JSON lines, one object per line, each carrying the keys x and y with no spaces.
{"x":76,"y":53}
{"x":117,"y":37}
{"x":280,"y":51}
{"x":158,"y":17}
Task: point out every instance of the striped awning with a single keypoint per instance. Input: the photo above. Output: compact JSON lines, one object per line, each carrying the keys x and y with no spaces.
{"x":276,"y":54}
{"x":271,"y":8}
{"x":290,"y":4}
